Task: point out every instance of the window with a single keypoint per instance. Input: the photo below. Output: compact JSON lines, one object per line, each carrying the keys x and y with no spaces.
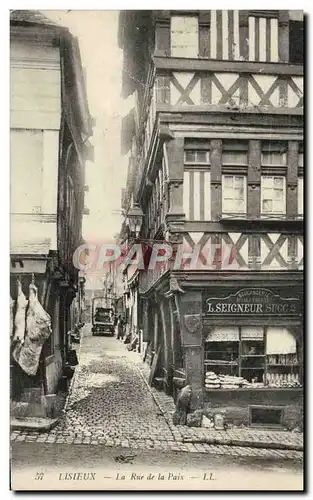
{"x":300,"y":196}
{"x":26,"y":170}
{"x":234,"y":158}
{"x":296,"y":42}
{"x":244,"y":356}
{"x":184,"y":36}
{"x":273,"y":197}
{"x":273,"y":158}
{"x":234,"y":194}
{"x":235,"y":153}
{"x":163,"y":90}
{"x":274,"y":154}
{"x":192,"y":156}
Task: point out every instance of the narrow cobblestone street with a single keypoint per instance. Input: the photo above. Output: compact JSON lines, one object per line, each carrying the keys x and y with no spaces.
{"x":111,"y":404}
{"x":109,"y":399}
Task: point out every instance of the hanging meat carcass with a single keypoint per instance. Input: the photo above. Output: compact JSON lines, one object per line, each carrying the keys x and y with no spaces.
{"x":11,"y":318}
{"x":38,"y":330}
{"x":20,"y":315}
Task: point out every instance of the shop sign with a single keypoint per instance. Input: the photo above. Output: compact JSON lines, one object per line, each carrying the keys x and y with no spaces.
{"x":251,"y":302}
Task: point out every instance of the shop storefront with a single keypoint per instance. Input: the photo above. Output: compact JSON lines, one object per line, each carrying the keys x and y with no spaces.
{"x":253,"y":355}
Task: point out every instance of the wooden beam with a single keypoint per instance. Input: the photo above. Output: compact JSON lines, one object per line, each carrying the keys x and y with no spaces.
{"x":244,"y":226}
{"x":216,"y":178}
{"x":232,"y":278}
{"x":221,"y":109}
{"x":283,"y":36}
{"x":204,"y":33}
{"x":212,"y":65}
{"x":254,"y":179}
{"x":244,"y":33}
{"x":205,"y":115}
{"x":292,"y":179}
{"x":162,"y":28}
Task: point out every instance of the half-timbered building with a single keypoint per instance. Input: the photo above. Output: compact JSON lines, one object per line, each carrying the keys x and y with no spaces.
{"x":50,"y":125}
{"x":216,"y":141}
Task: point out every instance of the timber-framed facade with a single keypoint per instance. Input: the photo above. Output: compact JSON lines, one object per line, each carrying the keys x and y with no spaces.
{"x":216,"y":161}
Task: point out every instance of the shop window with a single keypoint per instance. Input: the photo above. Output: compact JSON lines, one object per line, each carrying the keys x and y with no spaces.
{"x":197,"y":156}
{"x":251,"y":357}
{"x":234,"y":194}
{"x":296,"y":42}
{"x":282,"y":358}
{"x":273,"y":195}
{"x":221,"y":354}
{"x":300,"y":196}
{"x":235,"y":153}
{"x":252,"y":354}
{"x":184,"y":36}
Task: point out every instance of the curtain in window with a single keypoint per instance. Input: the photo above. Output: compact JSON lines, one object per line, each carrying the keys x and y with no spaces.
{"x":280,"y":341}
{"x":234,"y":158}
{"x":274,"y":158}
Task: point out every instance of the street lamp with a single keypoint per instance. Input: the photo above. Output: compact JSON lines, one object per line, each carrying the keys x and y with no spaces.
{"x":134,"y":220}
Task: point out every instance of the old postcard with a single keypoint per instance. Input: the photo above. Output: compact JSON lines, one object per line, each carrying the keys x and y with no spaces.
{"x":156,"y":256}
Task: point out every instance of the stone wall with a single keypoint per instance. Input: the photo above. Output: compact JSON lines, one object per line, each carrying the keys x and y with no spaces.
{"x":235,"y":404}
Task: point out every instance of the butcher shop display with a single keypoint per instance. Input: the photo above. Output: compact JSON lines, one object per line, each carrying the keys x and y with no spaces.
{"x":38,"y":330}
{"x":20,"y":315}
{"x":11,"y":318}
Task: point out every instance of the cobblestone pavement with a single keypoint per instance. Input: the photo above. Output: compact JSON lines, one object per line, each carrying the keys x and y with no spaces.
{"x":111,"y":404}
{"x":255,"y":436}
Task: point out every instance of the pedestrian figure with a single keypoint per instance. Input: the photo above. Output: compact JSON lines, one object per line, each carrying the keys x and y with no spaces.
{"x":120,"y":328}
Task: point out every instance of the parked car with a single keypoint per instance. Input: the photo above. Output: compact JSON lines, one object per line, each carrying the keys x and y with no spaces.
{"x":103,"y":321}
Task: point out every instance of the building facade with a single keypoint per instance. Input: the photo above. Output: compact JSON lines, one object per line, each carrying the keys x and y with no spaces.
{"x":216,"y":166}
{"x":49,"y":130}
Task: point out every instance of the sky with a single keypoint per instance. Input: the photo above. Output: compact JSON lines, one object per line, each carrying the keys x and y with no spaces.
{"x":102,"y":58}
